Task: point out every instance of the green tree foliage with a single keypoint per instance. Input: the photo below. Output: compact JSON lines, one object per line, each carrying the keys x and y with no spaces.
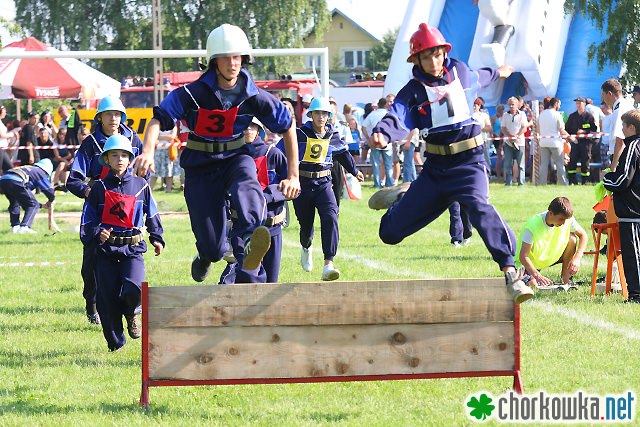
{"x":621,"y":25}
{"x":380,"y":55}
{"x":126,"y":24}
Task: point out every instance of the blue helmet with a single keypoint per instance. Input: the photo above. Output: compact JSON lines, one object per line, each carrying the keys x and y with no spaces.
{"x":116,"y":142}
{"x":110,"y":103}
{"x":45,"y":165}
{"x":320,"y":104}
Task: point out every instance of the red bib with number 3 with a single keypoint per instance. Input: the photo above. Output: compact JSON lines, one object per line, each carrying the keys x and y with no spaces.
{"x":216,"y":123}
{"x":118,"y":209}
{"x":263,"y":173}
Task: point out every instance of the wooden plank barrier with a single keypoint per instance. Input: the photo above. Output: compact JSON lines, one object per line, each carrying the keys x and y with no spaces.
{"x":317,"y":332}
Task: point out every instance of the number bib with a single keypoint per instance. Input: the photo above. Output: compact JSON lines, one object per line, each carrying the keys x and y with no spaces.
{"x":316,"y":150}
{"x":263,"y":173}
{"x":448,"y":103}
{"x":216,"y":123}
{"x":118,"y":209}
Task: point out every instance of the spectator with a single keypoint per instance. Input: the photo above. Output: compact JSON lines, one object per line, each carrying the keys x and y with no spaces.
{"x":496,"y":125}
{"x":514,"y":125}
{"x":46,"y":120}
{"x":29,"y":139}
{"x":611,"y":91}
{"x":356,"y":137}
{"x":379,"y":154}
{"x":636,"y":96}
{"x":580,"y":123}
{"x":64,"y":158}
{"x":551,"y":130}
{"x":607,"y":134}
{"x":483,"y":119}
{"x":5,"y":160}
{"x":165,"y":167}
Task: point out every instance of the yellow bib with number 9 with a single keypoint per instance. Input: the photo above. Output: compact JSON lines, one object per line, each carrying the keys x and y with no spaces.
{"x":316,"y":151}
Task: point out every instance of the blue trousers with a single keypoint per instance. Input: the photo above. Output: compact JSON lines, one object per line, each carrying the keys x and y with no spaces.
{"x":431,"y":194}
{"x":409,"y":165}
{"x":269,"y":271}
{"x":386,"y":156}
{"x":20,"y":196}
{"x":118,"y":281}
{"x":318,"y":196}
{"x":459,"y":223}
{"x":88,"y":272}
{"x":205,"y":191}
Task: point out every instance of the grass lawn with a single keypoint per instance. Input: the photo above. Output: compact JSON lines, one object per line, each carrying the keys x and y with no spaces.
{"x":55,"y":368}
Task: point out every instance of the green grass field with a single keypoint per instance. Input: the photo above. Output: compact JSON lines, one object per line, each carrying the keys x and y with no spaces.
{"x":55,"y":368}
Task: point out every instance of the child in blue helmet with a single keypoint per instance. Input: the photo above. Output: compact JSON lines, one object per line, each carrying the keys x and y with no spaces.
{"x":218,"y":107}
{"x":118,"y":207}
{"x":17,"y":185}
{"x":319,"y":144}
{"x":111,"y":118}
{"x":271,"y":168}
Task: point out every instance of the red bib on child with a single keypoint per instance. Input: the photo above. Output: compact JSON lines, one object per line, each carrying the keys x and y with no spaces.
{"x":118,"y":209}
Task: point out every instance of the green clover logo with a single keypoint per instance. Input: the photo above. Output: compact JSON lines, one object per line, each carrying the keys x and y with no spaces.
{"x":482,"y":408}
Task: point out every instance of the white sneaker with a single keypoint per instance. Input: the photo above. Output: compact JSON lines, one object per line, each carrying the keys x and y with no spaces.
{"x":306,"y":259}
{"x":15,"y":229}
{"x":26,"y":230}
{"x":457,"y":244}
{"x":466,"y":242}
{"x":329,"y":273}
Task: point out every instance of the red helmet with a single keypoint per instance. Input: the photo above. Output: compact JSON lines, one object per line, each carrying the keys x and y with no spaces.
{"x":426,"y":37}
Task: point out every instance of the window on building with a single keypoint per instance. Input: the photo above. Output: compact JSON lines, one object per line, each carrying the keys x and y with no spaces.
{"x":355,"y":58}
{"x":309,"y":61}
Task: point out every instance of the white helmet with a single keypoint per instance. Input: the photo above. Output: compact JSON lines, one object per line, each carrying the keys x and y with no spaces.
{"x":228,"y":40}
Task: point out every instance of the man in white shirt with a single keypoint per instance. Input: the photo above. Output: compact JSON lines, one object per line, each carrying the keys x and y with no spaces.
{"x":551,"y":128}
{"x":606,"y":137}
{"x":612,"y":94}
{"x":514,"y":125}
{"x":377,"y":153}
{"x":5,"y":160}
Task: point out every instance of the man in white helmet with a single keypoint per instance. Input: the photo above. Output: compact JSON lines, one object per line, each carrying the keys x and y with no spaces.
{"x":218,"y":107}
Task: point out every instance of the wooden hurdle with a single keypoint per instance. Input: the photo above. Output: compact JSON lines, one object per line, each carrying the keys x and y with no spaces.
{"x":319,"y":332}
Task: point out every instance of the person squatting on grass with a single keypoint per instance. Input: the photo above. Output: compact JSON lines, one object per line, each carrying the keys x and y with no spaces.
{"x":218,"y":107}
{"x":17,"y":185}
{"x":438,"y":102}
{"x":550,"y":238}
{"x":119,"y":205}
{"x":271,"y":168}
{"x":319,"y":143}
{"x":624,"y":182}
{"x":111,"y":118}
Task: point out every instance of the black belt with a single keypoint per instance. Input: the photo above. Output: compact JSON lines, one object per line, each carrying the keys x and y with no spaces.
{"x":216,"y":147}
{"x":125,"y":240}
{"x":320,"y":174}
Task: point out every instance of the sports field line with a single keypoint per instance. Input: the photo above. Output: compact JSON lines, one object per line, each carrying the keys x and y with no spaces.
{"x":369,"y":263}
{"x":35,"y":264}
{"x":584,"y":319}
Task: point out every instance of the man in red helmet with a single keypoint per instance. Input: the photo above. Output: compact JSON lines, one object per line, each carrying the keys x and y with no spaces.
{"x":438,"y":102}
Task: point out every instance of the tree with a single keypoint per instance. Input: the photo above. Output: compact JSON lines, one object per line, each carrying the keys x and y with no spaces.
{"x":380,"y":55}
{"x":125,"y":24}
{"x":619,"y":19}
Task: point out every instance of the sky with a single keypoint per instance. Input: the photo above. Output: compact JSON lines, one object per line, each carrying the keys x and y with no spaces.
{"x":375,"y":16}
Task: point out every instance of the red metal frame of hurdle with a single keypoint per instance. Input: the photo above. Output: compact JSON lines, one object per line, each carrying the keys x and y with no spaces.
{"x":518,"y":385}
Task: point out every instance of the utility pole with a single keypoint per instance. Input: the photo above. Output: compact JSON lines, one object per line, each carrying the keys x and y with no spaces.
{"x":158,"y":83}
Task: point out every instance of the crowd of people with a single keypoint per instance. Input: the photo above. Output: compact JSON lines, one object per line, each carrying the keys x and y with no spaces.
{"x":247,"y":180}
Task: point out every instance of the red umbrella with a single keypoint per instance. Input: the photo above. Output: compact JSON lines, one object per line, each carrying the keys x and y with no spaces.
{"x":36,"y":78}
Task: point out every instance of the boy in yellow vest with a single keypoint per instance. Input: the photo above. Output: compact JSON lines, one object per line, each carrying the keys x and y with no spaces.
{"x":551,"y":238}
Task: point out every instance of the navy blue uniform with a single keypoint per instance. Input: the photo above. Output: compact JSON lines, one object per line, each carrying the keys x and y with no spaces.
{"x":17,"y":184}
{"x":441,"y":109}
{"x":121,"y":204}
{"x":271,"y":166}
{"x":85,"y":170}
{"x":216,"y":160}
{"x":317,"y":153}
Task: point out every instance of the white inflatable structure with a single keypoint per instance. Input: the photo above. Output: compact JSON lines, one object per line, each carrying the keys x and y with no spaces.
{"x":536,"y":48}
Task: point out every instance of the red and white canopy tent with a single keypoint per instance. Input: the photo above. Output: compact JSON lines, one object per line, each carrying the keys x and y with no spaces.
{"x":50,"y":78}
